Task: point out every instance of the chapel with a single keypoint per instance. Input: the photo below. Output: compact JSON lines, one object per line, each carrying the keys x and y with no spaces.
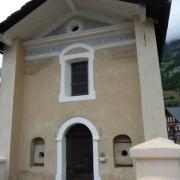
{"x":80,"y":86}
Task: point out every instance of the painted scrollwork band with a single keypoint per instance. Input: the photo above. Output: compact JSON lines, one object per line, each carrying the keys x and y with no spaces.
{"x":94,"y":42}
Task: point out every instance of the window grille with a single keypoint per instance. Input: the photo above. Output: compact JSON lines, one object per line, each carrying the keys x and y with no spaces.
{"x":79,"y":78}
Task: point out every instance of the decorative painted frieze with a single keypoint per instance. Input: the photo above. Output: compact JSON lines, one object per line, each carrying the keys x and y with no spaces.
{"x":75,"y":24}
{"x":113,"y":35}
{"x":55,"y":49}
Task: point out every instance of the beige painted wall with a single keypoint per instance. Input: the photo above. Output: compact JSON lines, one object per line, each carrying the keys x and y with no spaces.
{"x":116,"y":110}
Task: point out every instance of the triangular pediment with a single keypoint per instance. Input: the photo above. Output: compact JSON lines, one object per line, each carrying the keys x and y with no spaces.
{"x":75,"y":24}
{"x":52,"y":17}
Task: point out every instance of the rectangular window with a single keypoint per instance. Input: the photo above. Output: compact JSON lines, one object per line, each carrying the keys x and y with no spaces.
{"x":79,"y":78}
{"x":77,"y":81}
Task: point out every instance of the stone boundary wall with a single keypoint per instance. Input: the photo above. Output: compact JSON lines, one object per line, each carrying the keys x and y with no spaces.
{"x":157,"y":159}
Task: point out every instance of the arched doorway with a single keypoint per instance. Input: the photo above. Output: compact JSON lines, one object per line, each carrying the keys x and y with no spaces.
{"x":88,"y":136}
{"x":79,"y":153}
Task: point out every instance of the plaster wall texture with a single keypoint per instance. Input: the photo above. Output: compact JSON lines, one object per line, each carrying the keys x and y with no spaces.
{"x":116,"y":110}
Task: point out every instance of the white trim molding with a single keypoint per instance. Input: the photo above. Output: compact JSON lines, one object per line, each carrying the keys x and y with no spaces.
{"x":61,"y":147}
{"x":65,"y":61}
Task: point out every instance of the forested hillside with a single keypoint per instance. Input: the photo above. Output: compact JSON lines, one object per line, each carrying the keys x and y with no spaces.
{"x":170,"y":71}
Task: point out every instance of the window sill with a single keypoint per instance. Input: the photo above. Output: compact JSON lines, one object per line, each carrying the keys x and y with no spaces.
{"x":123,"y":165}
{"x":91,"y":96}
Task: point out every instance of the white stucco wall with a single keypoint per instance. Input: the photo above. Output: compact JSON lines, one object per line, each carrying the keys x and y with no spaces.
{"x":153,"y":113}
{"x":2,"y":168}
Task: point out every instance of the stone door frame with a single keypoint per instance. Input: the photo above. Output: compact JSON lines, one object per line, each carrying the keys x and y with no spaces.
{"x":61,"y":146}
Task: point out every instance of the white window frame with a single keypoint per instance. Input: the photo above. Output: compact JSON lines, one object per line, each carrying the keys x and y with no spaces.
{"x":65,"y":62}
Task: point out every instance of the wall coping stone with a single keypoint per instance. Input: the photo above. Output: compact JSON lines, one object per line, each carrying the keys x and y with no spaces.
{"x":156,"y":148}
{"x":156,"y":178}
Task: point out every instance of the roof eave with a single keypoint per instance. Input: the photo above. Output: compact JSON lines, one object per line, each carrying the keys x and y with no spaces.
{"x":160,"y":12}
{"x":18,"y":16}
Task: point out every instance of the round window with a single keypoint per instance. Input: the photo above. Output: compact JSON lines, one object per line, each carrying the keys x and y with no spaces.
{"x":74,"y":26}
{"x":124,"y":153}
{"x":41,"y":155}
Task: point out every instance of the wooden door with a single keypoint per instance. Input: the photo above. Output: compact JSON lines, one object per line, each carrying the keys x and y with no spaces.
{"x":79,"y":154}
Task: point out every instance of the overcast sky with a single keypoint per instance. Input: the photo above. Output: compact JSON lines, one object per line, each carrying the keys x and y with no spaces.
{"x":9,"y":6}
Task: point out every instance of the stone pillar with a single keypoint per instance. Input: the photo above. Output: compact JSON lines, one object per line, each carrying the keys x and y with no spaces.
{"x":153,"y":113}
{"x":10,"y":100}
{"x":157,"y":159}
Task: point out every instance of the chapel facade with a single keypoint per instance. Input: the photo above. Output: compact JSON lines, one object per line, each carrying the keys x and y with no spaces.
{"x":80,"y":86}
